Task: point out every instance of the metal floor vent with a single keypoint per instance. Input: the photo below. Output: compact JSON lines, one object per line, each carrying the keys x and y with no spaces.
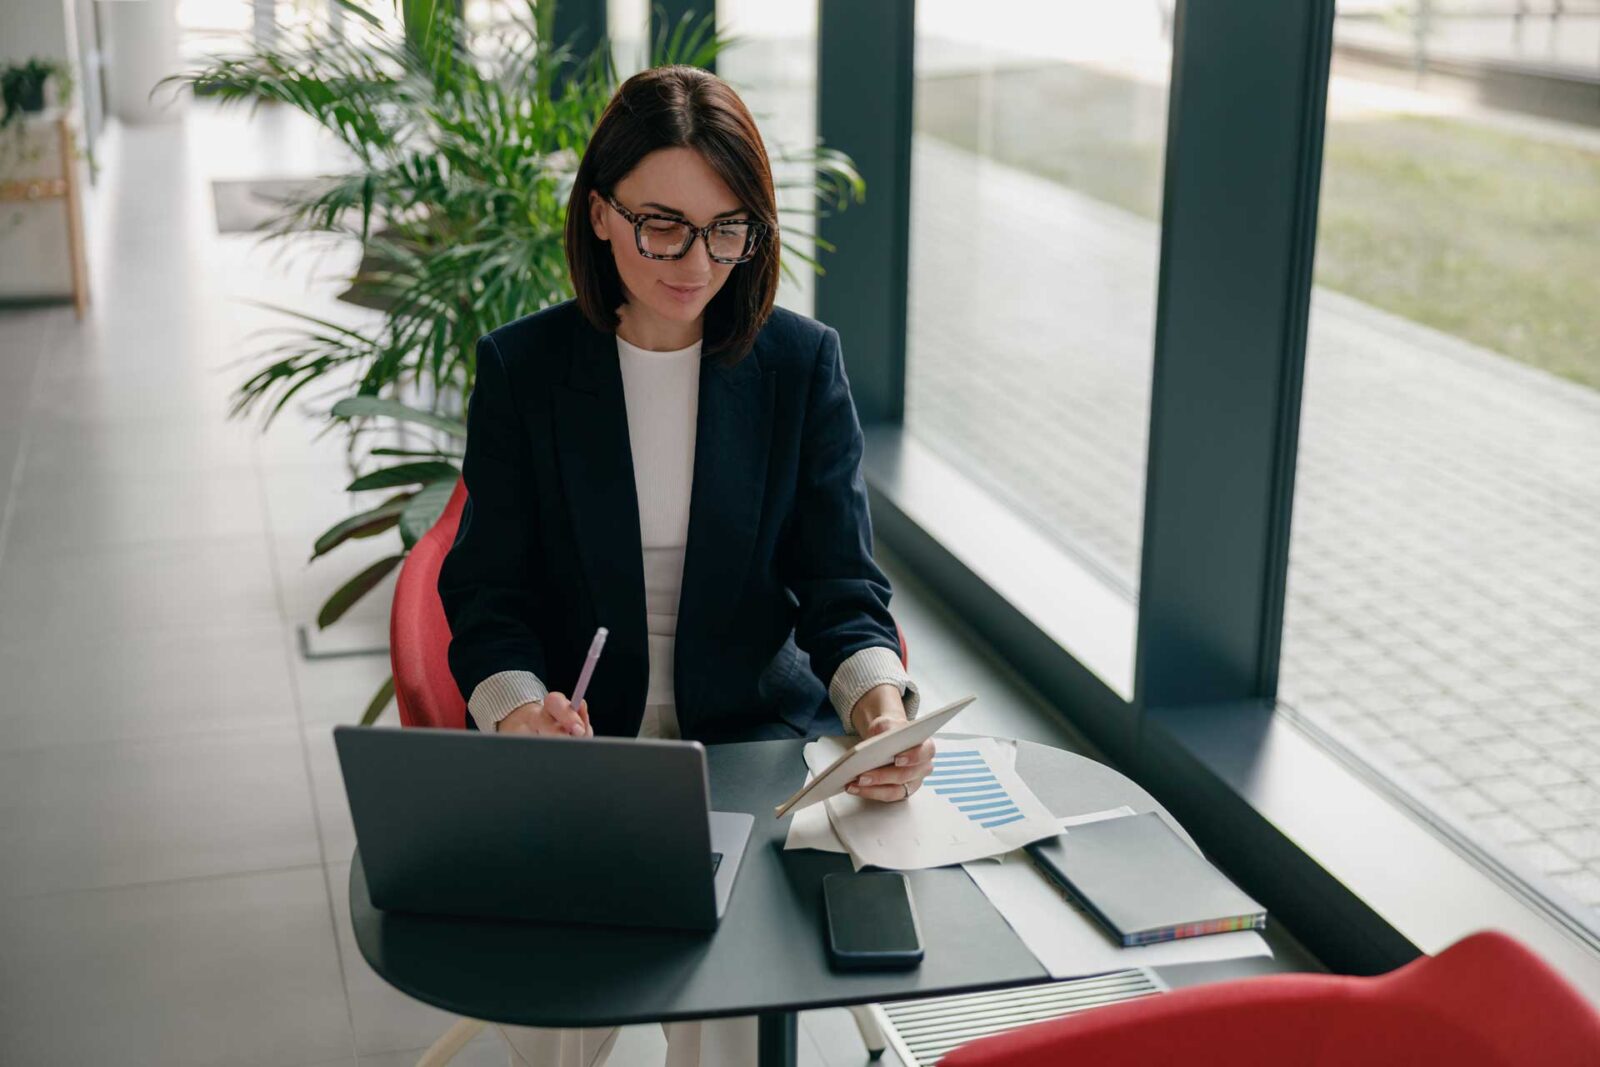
{"x":920,"y":1031}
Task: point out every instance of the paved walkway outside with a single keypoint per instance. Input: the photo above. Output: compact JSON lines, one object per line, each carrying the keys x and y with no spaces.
{"x":1444,"y":596}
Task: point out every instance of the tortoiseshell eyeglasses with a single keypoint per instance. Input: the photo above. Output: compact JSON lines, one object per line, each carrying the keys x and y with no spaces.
{"x":670,"y":237}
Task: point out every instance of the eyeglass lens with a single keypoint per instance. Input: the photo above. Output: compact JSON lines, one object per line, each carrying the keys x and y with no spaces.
{"x":659,"y":237}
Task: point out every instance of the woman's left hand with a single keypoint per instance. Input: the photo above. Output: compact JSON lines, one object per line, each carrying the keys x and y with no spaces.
{"x":896,"y":780}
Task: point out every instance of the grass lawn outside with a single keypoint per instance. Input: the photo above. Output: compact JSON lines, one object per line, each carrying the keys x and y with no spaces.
{"x":1478,"y":232}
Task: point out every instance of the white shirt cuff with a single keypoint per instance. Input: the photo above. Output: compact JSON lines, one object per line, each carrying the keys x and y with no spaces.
{"x":500,"y":694}
{"x":864,"y":669}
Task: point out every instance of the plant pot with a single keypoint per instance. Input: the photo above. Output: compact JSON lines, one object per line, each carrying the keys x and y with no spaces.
{"x":30,"y":96}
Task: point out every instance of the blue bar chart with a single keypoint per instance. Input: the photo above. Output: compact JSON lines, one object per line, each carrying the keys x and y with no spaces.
{"x":963,"y":777}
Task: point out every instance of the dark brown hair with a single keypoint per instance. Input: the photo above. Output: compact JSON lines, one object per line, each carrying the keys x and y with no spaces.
{"x":678,"y":107}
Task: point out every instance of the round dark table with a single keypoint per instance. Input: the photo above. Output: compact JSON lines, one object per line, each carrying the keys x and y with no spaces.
{"x":767,"y":958}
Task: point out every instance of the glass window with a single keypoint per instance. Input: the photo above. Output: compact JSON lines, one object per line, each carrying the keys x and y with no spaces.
{"x":1443,"y":616}
{"x":773,"y":66}
{"x":1040,"y":134}
{"x":206,"y":27}
{"x":494,"y":25}
{"x":1035,"y":232}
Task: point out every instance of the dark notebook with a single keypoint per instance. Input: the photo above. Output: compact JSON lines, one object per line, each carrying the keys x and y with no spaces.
{"x":1143,"y":882}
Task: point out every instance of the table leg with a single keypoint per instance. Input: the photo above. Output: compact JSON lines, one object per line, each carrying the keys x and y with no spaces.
{"x":778,"y":1039}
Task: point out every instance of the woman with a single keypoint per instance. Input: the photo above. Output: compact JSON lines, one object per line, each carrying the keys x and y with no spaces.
{"x":672,"y":457}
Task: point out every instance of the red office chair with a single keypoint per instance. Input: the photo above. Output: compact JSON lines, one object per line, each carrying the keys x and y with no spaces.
{"x":419,"y":634}
{"x":1483,"y":1002}
{"x":427,"y":695}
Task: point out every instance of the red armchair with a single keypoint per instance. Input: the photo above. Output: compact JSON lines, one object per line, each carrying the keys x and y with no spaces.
{"x":419,"y":634}
{"x":1483,"y":1002}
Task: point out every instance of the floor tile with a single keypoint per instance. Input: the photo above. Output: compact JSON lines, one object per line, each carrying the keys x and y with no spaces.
{"x":97,"y":814}
{"x":223,"y":582}
{"x":70,"y":447}
{"x":213,"y":972}
{"x":337,"y":834}
{"x":486,"y":1050}
{"x":337,"y":690}
{"x":144,"y":684}
{"x":134,"y":384}
{"x":103,"y":509}
{"x":833,"y":1039}
{"x":11,"y":433}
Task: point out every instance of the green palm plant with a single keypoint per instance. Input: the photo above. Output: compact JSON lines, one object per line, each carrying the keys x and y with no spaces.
{"x":466,"y":151}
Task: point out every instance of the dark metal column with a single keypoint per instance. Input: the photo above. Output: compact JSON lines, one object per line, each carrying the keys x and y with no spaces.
{"x":581,"y":25}
{"x":864,"y":95}
{"x":666,"y":14}
{"x":1239,"y":224}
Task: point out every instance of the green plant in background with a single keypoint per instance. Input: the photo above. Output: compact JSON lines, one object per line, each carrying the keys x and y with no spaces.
{"x":22,"y":86}
{"x":466,"y":151}
{"x":22,"y":92}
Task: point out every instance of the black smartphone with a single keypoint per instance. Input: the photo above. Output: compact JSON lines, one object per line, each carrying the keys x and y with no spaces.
{"x":872,"y":923}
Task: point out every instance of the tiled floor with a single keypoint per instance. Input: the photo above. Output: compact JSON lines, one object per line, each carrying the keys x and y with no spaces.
{"x":175,"y":838}
{"x":1444,"y":593}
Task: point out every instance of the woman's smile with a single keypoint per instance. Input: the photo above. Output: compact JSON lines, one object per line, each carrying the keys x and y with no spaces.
{"x":685,"y":294}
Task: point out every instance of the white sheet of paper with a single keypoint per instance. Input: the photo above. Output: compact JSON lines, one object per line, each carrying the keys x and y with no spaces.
{"x":809,"y":827}
{"x":1068,"y":942}
{"x":952,"y":818}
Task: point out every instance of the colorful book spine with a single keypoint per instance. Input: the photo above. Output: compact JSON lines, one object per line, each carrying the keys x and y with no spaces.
{"x":1214,"y":926}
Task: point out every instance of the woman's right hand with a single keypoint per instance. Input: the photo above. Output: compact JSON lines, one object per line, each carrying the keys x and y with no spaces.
{"x":554,"y":715}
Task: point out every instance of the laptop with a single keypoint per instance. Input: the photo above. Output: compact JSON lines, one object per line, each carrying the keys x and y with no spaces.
{"x":606,"y":830}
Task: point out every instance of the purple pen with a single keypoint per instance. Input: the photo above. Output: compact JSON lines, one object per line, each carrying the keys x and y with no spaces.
{"x":595,"y":646}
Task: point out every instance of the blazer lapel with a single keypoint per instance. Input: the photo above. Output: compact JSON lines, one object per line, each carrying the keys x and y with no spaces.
{"x":733,"y":433}
{"x":592,"y":448}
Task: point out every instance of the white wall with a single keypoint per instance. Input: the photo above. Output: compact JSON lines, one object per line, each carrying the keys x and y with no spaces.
{"x":35,"y":28}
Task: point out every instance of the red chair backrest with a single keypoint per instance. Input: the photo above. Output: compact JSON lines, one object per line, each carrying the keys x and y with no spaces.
{"x":419,"y":633}
{"x":1485,"y":1001}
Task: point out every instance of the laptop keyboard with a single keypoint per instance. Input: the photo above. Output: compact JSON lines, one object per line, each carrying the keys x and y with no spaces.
{"x":716,"y":861}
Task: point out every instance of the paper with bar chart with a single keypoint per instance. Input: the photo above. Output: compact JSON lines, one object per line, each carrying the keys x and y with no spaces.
{"x":972,"y":805}
{"x":809,"y":827}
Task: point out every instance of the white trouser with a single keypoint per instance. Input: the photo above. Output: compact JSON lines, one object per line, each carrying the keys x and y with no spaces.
{"x":726,"y":1042}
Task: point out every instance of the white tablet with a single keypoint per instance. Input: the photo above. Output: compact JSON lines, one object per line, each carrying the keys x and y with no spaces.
{"x":871,"y":752}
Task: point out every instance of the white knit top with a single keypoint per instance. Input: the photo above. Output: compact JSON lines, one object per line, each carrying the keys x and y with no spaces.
{"x":662,"y":394}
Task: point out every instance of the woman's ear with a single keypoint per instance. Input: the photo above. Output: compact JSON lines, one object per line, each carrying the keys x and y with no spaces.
{"x":597,"y":215}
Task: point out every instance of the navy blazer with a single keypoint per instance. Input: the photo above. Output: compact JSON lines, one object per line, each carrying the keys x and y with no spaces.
{"x":779,"y":584}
